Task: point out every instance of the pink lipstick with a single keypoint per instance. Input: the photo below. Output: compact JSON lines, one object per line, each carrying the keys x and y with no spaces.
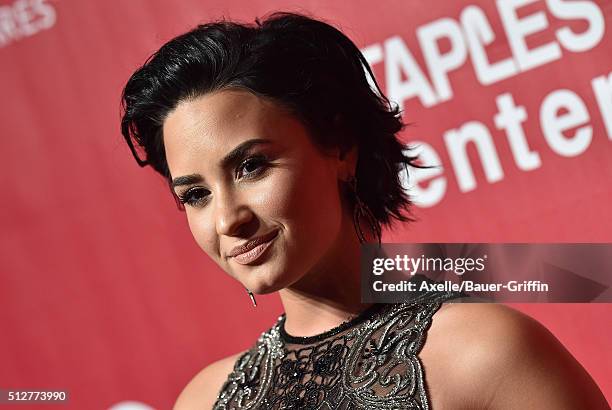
{"x":254,"y":249}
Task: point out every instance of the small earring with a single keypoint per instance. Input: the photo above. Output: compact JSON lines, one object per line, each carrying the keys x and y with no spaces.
{"x":361,"y":210}
{"x":252,"y":297}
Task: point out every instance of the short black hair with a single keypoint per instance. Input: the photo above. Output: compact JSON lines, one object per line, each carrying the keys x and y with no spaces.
{"x":299,"y":62}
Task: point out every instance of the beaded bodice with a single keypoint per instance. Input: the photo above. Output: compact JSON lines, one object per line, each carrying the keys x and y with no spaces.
{"x":369,"y":362}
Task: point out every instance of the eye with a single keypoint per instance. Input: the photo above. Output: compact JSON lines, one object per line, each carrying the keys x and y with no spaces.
{"x":194,"y":196}
{"x":253,"y":166}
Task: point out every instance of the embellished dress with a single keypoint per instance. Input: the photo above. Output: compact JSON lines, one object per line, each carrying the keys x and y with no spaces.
{"x":369,"y":362}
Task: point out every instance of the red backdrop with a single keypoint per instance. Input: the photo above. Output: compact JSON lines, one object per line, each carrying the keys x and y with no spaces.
{"x":105,"y":293}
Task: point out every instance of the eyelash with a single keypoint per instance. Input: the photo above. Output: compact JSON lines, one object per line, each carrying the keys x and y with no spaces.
{"x":188,"y":196}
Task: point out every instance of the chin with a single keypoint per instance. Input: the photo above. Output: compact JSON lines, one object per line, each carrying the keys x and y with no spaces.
{"x":271,"y":272}
{"x":268,"y":278}
{"x":268,"y":282}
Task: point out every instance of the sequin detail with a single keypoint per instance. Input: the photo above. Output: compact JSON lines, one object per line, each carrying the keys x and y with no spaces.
{"x":368,"y":363}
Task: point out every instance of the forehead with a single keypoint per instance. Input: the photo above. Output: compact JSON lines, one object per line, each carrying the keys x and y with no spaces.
{"x":213,"y":124}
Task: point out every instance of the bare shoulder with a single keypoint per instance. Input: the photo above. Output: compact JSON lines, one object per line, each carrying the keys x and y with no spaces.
{"x":201,"y":392}
{"x":491,"y":356}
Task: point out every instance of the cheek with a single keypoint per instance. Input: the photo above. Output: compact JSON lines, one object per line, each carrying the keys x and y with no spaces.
{"x":200,"y":233}
{"x":311,"y":206}
{"x":204,"y":234}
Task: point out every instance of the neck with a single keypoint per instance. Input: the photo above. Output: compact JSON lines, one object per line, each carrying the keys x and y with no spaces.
{"x":330,"y":293}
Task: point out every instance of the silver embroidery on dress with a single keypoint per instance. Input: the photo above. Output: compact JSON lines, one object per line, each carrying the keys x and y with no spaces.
{"x":370,"y":362}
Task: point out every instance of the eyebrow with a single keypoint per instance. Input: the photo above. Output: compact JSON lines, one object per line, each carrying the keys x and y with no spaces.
{"x":232,"y":158}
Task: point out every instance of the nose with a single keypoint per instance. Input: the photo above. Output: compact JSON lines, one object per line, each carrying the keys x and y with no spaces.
{"x":231,"y":214}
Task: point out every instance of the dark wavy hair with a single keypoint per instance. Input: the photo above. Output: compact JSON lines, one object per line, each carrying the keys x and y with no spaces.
{"x":302,"y":64}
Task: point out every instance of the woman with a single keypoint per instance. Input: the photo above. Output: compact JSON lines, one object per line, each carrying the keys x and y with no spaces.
{"x":285,"y":160}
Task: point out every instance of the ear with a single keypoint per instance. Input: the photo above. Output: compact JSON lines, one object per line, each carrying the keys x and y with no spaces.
{"x":346,"y":155}
{"x":347,"y":162}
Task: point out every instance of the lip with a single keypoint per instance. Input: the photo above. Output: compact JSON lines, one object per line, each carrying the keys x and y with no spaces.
{"x":252,"y":244}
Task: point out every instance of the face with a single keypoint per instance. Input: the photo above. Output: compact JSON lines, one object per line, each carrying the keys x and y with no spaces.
{"x":247,"y":169}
